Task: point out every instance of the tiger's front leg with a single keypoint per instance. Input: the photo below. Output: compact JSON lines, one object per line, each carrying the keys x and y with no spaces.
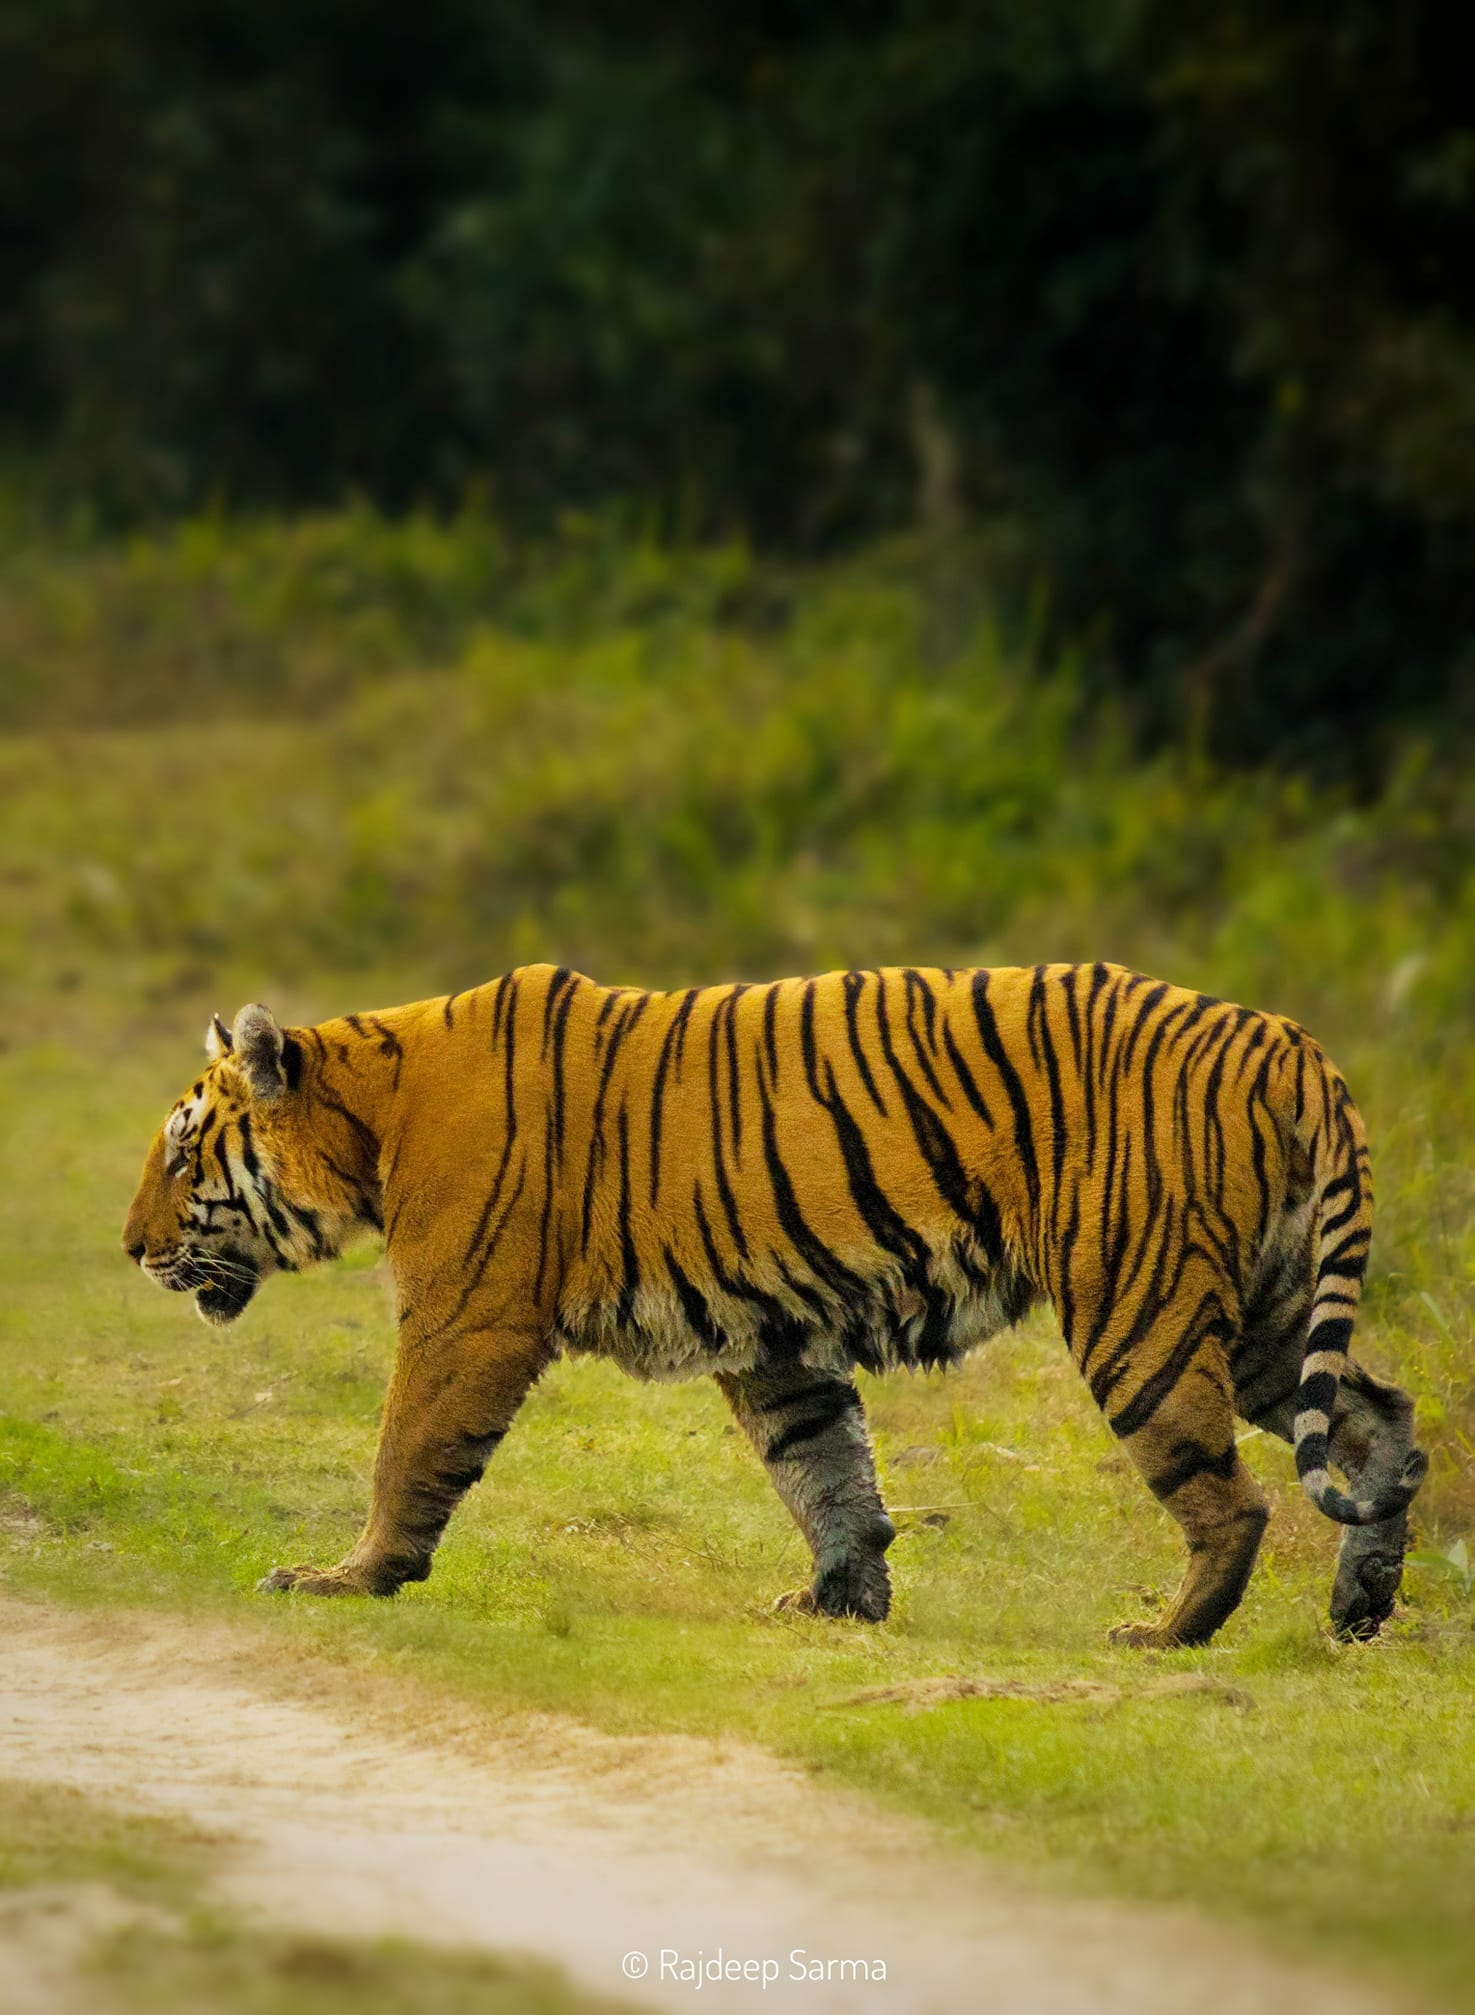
{"x":449,"y":1405}
{"x":810,"y":1431}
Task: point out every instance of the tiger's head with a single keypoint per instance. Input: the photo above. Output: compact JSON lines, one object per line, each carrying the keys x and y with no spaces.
{"x":227,"y":1192}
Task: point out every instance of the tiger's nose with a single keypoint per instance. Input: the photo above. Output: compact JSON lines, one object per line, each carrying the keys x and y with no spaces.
{"x":137,"y":1251}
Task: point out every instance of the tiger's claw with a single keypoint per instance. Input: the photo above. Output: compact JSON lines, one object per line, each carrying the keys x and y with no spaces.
{"x":312,"y":1581}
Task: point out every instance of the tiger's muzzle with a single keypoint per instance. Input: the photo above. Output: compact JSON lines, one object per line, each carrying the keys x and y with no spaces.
{"x":221,"y":1282}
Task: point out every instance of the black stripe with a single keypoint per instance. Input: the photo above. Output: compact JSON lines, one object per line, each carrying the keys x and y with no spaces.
{"x":683,"y":1017}
{"x":1188,"y":1459}
{"x":474,"y":1279}
{"x":1348,"y":1256}
{"x":1327,"y":1225}
{"x":807,"y":1046}
{"x":547,"y":1211}
{"x":1038,"y":1009}
{"x":804,"y":1291}
{"x":292,"y":1062}
{"x":1099,"y":976}
{"x":998,"y":1056}
{"x":1073,"y":1013}
{"x":1258,"y":1162}
{"x":694,"y":1305}
{"x":917,"y":988}
{"x":1332,"y":1333}
{"x":812,"y":1249}
{"x":1155,"y":1388}
{"x":853,"y":984}
{"x":629,"y":1265}
{"x":1145,"y":1008}
{"x":840,"y":1401}
{"x":1259,"y":1035}
{"x":735,"y":1285}
{"x":1064,"y":1257}
{"x":770,"y":1037}
{"x":560,"y":1034}
{"x":390,"y":1046}
{"x":929,"y":1002}
{"x":507,"y":1060}
{"x":934,"y":1142}
{"x":966,"y":1079}
{"x":1103,"y":1378}
{"x":724,"y":1187}
{"x":1213,"y":1111}
{"x":493,"y":1195}
{"x":309,"y":1222}
{"x":596,"y":1131}
{"x":884,"y":1222}
{"x":658,"y":1094}
{"x":1318,"y":1393}
{"x":604,"y":1013}
{"x":504,"y":985}
{"x":734,"y":1081}
{"x":261,"y":1192}
{"x":562,"y":978}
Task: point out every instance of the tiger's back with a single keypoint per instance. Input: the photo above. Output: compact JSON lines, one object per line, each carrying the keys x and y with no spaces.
{"x":885,"y":1167}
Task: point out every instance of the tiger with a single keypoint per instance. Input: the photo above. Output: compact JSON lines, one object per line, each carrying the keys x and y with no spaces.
{"x":779,"y":1185}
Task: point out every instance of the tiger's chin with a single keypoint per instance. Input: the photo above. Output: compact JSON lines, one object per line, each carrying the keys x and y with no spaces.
{"x":222,"y":1301}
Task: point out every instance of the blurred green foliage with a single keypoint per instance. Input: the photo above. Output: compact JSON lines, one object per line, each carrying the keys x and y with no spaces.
{"x":664,"y":763}
{"x":1175,"y":303}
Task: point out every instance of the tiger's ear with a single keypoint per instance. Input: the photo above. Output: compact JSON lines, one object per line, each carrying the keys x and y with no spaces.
{"x":257,"y":1044}
{"x":217,"y":1040}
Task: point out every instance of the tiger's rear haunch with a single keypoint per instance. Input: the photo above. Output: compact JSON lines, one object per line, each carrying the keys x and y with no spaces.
{"x":776,"y":1184}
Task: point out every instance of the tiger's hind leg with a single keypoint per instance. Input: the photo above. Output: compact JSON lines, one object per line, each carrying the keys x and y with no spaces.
{"x":1372,"y":1439}
{"x":1372,"y":1435}
{"x":810,"y":1431}
{"x":1175,"y":1417}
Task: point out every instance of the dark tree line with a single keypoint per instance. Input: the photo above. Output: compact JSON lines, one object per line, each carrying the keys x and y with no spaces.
{"x":1183,"y":297}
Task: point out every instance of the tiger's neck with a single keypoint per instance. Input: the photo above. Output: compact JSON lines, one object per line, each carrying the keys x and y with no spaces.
{"x":351,"y":1069}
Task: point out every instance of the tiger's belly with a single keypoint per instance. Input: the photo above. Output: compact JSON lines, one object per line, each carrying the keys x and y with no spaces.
{"x":660,"y":1333}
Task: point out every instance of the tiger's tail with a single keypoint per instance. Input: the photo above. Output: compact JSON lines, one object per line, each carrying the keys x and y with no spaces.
{"x":1329,"y":1130}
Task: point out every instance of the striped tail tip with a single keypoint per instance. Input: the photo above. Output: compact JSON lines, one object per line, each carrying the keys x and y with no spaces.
{"x":1336,"y":1504}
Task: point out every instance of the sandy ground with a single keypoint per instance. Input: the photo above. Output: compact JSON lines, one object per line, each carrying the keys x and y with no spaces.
{"x":545,"y":1836}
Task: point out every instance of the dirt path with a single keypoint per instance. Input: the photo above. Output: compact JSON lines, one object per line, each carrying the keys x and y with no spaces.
{"x":548,"y":1837}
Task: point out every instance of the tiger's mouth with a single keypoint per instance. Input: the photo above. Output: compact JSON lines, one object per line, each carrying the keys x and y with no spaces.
{"x":222,"y":1283}
{"x":222,"y":1300}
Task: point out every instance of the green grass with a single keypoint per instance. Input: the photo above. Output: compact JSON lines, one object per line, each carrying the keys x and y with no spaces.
{"x":623,"y":766}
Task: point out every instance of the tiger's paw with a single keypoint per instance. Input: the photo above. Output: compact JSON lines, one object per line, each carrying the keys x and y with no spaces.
{"x":1362,"y":1600}
{"x":343,"y":1580}
{"x":867,"y":1604}
{"x":857,"y":1585}
{"x":1142,"y":1637}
